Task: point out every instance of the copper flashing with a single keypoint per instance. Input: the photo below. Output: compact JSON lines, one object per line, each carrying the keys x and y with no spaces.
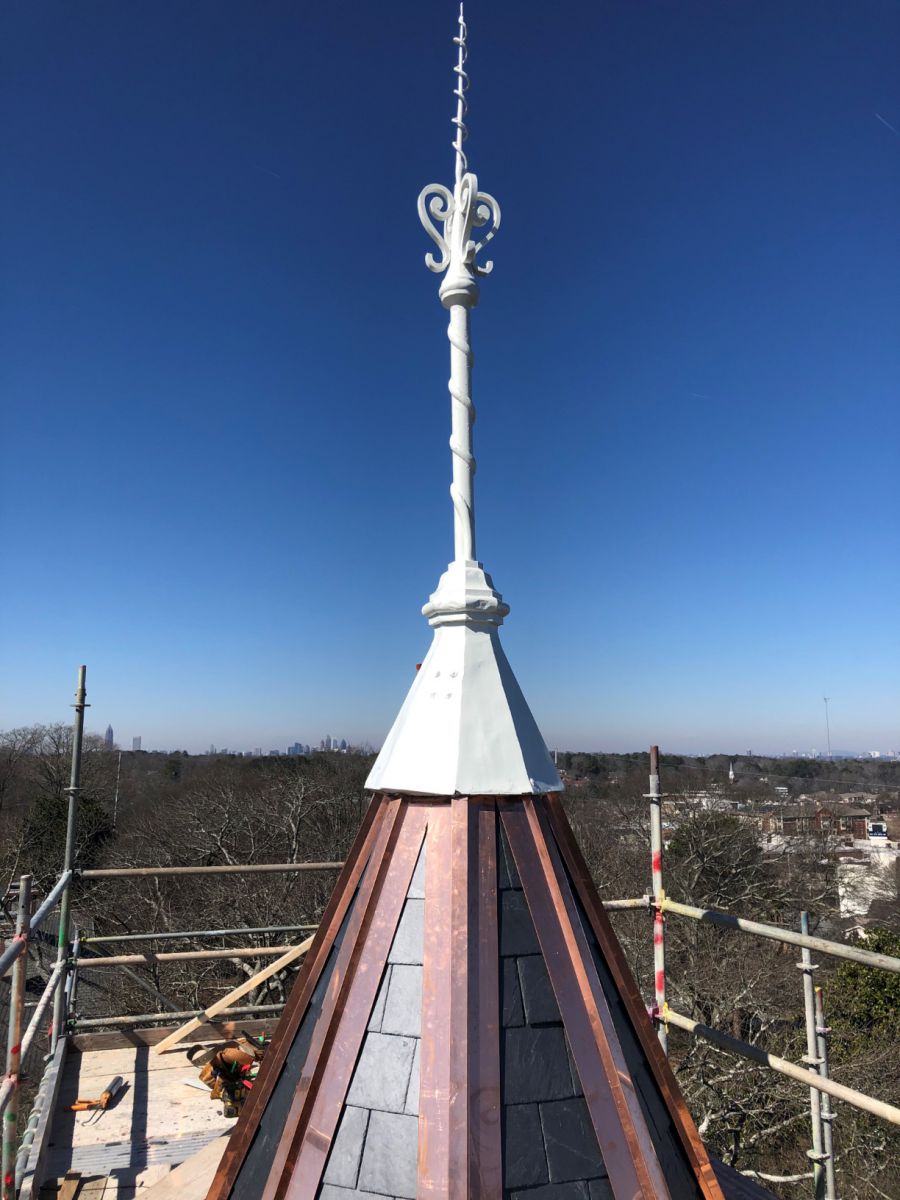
{"x":603,"y":1073}
{"x":484,"y":1149}
{"x":434,"y":1086}
{"x":631,"y":998}
{"x":335,"y":911}
{"x":354,"y":997}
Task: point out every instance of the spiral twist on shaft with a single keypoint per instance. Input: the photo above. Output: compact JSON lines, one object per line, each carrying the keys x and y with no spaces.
{"x":462,"y":86}
{"x":463,"y":418}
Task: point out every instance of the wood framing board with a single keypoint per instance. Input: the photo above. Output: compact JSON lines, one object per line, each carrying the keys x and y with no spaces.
{"x":214,"y":1031}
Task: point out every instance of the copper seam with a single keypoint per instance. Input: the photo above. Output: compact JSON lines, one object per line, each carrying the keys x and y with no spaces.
{"x":353,"y":1014}
{"x":584,"y":966}
{"x":634,"y":1005}
{"x":485,"y":1152}
{"x":607,"y":1106}
{"x":434,"y":1065}
{"x":326,"y":1026}
{"x":458,"y":1097}
{"x":335,"y":911}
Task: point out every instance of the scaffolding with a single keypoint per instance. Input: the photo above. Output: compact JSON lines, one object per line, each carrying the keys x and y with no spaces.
{"x":77,"y":954}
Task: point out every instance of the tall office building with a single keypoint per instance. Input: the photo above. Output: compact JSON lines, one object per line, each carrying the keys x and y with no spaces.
{"x":108,"y":740}
{"x":136,"y":743}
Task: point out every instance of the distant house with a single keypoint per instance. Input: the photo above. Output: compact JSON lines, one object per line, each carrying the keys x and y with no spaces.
{"x":798,"y":820}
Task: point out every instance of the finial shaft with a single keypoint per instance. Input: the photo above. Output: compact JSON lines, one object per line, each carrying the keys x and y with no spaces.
{"x":461,"y":212}
{"x":462,"y":86}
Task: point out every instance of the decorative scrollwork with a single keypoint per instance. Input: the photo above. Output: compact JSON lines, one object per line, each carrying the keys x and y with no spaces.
{"x":439,"y":207}
{"x":460,"y":213}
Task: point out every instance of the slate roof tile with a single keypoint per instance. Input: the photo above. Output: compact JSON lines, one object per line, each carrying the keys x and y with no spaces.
{"x":554,"y":1191}
{"x":381,"y":1077}
{"x":346,"y":1151}
{"x":535,"y":1065}
{"x":409,"y":940}
{"x":378,"y":1009}
{"x":517,"y":934}
{"x":412,"y":1092}
{"x":572,"y":1149}
{"x":511,"y":1010}
{"x":524,"y":1161}
{"x":403,"y":1010}
{"x":537,"y":991}
{"x":390,"y":1155}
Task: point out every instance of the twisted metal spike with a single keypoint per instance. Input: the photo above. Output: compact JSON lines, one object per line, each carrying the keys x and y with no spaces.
{"x":462,"y":86}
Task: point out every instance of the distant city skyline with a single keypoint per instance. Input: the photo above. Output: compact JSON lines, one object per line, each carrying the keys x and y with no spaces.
{"x":265,"y":747}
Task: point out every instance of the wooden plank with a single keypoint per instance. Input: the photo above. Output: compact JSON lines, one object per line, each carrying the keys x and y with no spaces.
{"x":213,"y":1032}
{"x":70,"y":1185}
{"x":191,"y":1179}
{"x":248,"y":985}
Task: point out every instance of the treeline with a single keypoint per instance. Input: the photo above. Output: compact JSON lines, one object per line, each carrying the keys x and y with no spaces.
{"x":680,"y":772}
{"x":183,"y":810}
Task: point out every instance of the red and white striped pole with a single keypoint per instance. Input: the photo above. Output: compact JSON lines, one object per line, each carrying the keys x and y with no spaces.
{"x":659,"y":900}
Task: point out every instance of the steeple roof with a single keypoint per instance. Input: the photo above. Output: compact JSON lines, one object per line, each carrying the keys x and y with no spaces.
{"x":465,"y":1025}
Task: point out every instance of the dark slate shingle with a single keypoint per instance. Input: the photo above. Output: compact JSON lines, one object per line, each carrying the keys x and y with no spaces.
{"x":537,"y":991}
{"x":572,"y":1149}
{"x":511,"y":1010}
{"x":507,"y":875}
{"x":524,"y":1161}
{"x":517,"y":934}
{"x":554,"y":1191}
{"x":535,"y":1065}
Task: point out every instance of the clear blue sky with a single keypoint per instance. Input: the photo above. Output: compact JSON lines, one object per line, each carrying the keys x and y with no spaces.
{"x":224,"y":365}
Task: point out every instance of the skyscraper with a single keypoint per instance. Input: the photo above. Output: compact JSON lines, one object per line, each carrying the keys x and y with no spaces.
{"x":108,"y":740}
{"x":136,"y":743}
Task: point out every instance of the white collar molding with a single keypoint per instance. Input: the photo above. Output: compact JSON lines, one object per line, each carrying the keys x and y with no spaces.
{"x":465,"y":729}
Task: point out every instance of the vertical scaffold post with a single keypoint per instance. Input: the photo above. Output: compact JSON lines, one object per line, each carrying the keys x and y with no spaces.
{"x":59,"y":1000}
{"x":827,"y":1115}
{"x":659,"y":900}
{"x":14,"y":1042}
{"x":811,"y":1058}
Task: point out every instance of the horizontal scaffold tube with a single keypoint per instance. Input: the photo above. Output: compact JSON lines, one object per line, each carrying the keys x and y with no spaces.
{"x":868,"y":958}
{"x":878,"y":1108}
{"x":192,"y":933}
{"x":148,"y":958}
{"x":149,"y":1018}
{"x":220,"y":869}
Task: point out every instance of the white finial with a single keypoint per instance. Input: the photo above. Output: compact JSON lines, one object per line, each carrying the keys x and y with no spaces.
{"x":460,"y":213}
{"x":462,"y":86}
{"x":465,"y":728}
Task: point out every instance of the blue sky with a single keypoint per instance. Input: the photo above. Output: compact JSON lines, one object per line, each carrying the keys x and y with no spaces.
{"x":225,"y":463}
